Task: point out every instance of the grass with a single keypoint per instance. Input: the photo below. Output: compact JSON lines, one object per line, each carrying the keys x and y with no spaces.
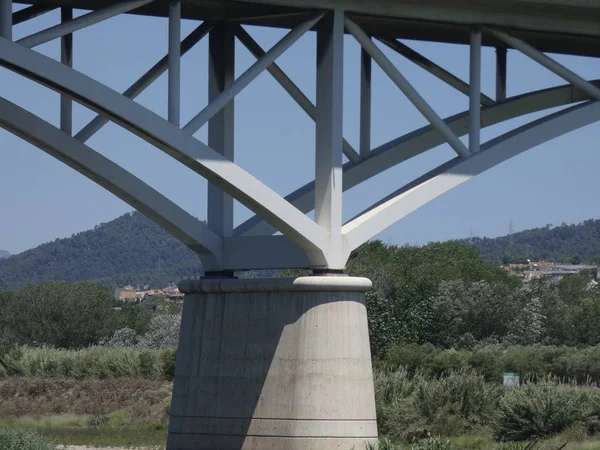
{"x":23,"y":440}
{"x":462,"y":407}
{"x":118,"y":431}
{"x":411,"y":406}
{"x":83,"y":430}
{"x":533,"y":362}
{"x":92,"y":363}
{"x":100,"y":413}
{"x":141,"y":400}
{"x":103,"y":413}
{"x":484,"y":441}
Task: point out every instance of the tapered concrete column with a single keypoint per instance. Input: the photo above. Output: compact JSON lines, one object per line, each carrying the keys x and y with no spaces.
{"x":279,"y":364}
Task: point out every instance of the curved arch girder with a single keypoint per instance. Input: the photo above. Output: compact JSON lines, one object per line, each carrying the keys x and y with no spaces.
{"x":182,"y":146}
{"x":115,"y":179}
{"x":457,"y":171}
{"x":420,"y":141}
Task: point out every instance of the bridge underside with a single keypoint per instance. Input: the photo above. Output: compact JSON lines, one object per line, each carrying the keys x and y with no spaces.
{"x":555,"y":26}
{"x":325,"y":243}
{"x":285,"y":363}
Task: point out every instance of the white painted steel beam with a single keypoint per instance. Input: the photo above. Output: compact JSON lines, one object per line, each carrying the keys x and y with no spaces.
{"x":457,"y":171}
{"x":81,"y":22}
{"x":6,"y":19}
{"x":463,"y":12}
{"x":30,"y":12}
{"x":262,"y":252}
{"x":433,"y":68}
{"x":291,"y":88}
{"x":66,"y":57}
{"x":329,"y":134}
{"x":501,"y":73}
{"x":174,"y":83}
{"x":409,"y":91}
{"x":221,"y":75}
{"x":113,"y":178}
{"x":247,"y":77}
{"x":147,"y":79}
{"x":419,"y":141}
{"x":365,"y":103}
{"x":475,"y":91}
{"x":165,"y":136}
{"x":548,"y":63}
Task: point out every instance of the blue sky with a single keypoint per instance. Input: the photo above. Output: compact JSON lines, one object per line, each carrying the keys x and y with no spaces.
{"x":41,"y":199}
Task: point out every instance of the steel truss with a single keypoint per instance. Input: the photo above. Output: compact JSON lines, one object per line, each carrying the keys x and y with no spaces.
{"x":326,"y":242}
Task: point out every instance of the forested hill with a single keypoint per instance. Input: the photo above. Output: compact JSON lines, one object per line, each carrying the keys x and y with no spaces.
{"x":4,"y":254}
{"x":564,"y":243}
{"x":130,"y":249}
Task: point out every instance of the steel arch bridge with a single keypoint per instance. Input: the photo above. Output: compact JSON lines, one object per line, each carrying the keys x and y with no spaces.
{"x":286,"y":363}
{"x":324,"y":243}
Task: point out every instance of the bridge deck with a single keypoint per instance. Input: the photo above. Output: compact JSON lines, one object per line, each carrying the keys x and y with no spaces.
{"x":557,"y":26}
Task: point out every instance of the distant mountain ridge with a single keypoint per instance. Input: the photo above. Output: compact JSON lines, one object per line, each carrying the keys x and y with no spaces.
{"x":4,"y":254}
{"x":129,"y":249}
{"x":133,"y":250}
{"x":564,"y":243}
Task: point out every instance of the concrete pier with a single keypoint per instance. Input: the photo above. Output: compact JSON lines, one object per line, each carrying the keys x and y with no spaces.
{"x":273,"y":364}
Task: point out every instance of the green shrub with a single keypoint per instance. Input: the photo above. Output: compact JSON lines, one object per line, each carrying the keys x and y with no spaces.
{"x":23,"y":440}
{"x":384,"y":444}
{"x":91,"y":363}
{"x":146,"y":364}
{"x":456,"y":403}
{"x":532,"y":362}
{"x":60,"y":314}
{"x":431,"y":443}
{"x":168,"y":364}
{"x":539,"y":410}
{"x":411,"y":406}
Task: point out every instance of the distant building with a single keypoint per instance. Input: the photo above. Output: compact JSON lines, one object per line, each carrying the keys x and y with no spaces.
{"x":126,"y":294}
{"x":554,"y":271}
{"x":155,"y":293}
{"x":174,"y":296}
{"x":173,"y":293}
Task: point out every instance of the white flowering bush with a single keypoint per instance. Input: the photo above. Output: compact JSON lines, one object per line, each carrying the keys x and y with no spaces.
{"x":162,"y":333}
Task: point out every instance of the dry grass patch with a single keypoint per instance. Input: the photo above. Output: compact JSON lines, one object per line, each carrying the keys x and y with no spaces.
{"x":139,"y":399}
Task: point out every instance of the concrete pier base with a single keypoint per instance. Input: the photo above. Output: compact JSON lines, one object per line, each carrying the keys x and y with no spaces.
{"x":279,"y":364}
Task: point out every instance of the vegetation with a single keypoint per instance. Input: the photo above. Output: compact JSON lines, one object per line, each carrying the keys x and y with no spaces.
{"x":413,"y":411}
{"x":405,"y":304}
{"x":444,"y":325}
{"x":565,"y":243}
{"x":446,"y":295}
{"x":104,"y":413}
{"x":130,"y":249}
{"x":131,"y":399}
{"x":412,"y":407}
{"x":545,"y":409}
{"x":93,"y":363}
{"x":535,"y":362}
{"x":23,"y":440}
{"x":65,"y":315}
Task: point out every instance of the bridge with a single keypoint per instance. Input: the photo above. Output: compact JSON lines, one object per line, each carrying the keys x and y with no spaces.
{"x":285,"y":363}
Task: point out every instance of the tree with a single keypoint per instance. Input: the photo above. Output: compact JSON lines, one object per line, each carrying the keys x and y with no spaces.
{"x":409,"y":304}
{"x":60,"y":314}
{"x":384,"y":327}
{"x":162,"y":333}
